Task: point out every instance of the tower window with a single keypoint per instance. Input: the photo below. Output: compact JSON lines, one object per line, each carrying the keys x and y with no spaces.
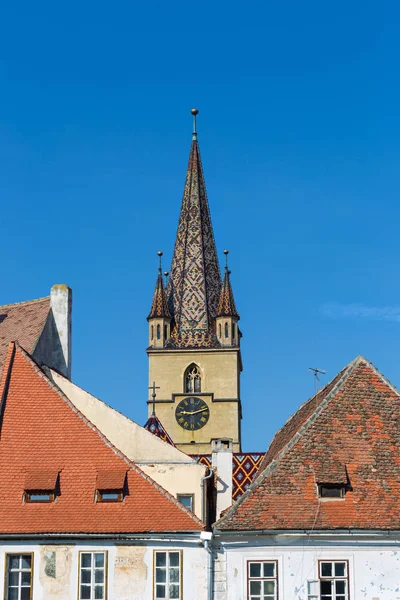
{"x":220,"y":330}
{"x":233,"y":331}
{"x":152,"y":332}
{"x":226,"y":330}
{"x":165,"y":332}
{"x":192,"y":379}
{"x":158,"y":332}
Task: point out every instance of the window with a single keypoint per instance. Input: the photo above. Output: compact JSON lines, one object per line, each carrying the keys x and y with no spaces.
{"x":168,"y":575}
{"x":92,"y":575}
{"x":165,"y":332}
{"x":186,"y":500}
{"x":220,"y":330}
{"x":158,"y":332}
{"x":333,"y":580}
{"x":262,"y":579}
{"x":109,"y":496}
{"x":39,"y":496}
{"x":152,"y":332}
{"x":329,"y":490}
{"x":226,"y":330}
{"x":233,"y":331}
{"x":192,"y":379}
{"x":19,"y":576}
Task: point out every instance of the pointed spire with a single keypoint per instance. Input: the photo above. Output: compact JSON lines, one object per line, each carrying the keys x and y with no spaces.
{"x":227,"y":306}
{"x":195,"y":281}
{"x":159,"y":306}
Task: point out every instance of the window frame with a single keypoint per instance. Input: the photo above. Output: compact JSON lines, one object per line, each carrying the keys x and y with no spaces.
{"x":105,"y":552}
{"x":196,"y":379}
{"x":262,"y":561}
{"x":332,"y":486}
{"x":187,"y":495}
{"x":102,"y":500}
{"x":345,"y":578}
{"x":29,"y":493}
{"x":180,"y":552}
{"x":6,"y":555}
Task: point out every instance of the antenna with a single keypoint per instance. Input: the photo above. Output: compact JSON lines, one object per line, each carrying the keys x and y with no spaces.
{"x":317,"y":373}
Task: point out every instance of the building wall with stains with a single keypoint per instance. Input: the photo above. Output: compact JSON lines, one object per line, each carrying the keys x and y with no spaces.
{"x":373,"y":564}
{"x":129,"y":571}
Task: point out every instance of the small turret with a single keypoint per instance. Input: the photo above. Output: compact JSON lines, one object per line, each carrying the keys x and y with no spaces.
{"x":227,"y":316}
{"x":159,"y":317}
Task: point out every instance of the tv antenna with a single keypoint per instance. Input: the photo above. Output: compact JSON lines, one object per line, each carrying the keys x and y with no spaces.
{"x":317,"y":373}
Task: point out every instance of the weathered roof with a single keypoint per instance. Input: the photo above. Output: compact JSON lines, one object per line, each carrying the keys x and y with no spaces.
{"x":159,"y":305}
{"x":23,"y":323}
{"x":349,"y":430}
{"x":195,"y":280}
{"x":227,"y":306}
{"x":50,"y":433}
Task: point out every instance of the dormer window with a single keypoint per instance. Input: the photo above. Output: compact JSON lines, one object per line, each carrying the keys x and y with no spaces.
{"x":41,"y":486}
{"x":331,"y":490}
{"x":111,"y":486}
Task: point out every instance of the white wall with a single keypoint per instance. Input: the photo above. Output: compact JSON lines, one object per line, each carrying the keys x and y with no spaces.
{"x":374,"y":565}
{"x":129,"y":573}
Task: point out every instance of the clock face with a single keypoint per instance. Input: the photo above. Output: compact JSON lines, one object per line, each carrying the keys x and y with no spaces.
{"x":192,"y":413}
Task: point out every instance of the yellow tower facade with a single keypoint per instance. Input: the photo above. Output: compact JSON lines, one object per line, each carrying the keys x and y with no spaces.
{"x":194,"y":338}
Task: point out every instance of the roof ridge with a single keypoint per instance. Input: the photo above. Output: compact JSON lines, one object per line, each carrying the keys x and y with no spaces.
{"x":106,"y":441}
{"x":272,"y":466}
{"x":25,"y":302}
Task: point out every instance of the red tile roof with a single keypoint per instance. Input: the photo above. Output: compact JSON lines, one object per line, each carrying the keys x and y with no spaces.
{"x":351,"y":430}
{"x":42,"y":429}
{"x":23,"y":323}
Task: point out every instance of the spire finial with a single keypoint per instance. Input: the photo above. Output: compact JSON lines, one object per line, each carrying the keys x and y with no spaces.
{"x":194,"y":112}
{"x":159,"y":253}
{"x":226,"y":252}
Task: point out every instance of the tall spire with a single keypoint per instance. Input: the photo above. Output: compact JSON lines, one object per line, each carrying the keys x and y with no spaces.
{"x":195,"y":280}
{"x":227,"y":306}
{"x":159,"y":306}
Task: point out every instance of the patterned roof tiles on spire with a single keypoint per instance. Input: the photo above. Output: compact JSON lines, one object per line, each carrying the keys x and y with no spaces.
{"x":159,"y":306}
{"x":154,"y":425}
{"x":195,"y":280}
{"x":227,"y":306}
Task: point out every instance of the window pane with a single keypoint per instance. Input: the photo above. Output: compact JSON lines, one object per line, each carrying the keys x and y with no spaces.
{"x":161,"y":575}
{"x":174,"y":591}
{"x":174,"y":575}
{"x":255,"y":587}
{"x":99,"y":559}
{"x":13,"y":578}
{"x":85,"y":592}
{"x":25,"y":593}
{"x":99,"y":576}
{"x":161,"y":559}
{"x":174,"y":559}
{"x":255,"y":569}
{"x":340,"y":569}
{"x":326,"y":587}
{"x":340,"y":587}
{"x":86,"y":560}
{"x":269,"y":587}
{"x":86,"y":576}
{"x":160,"y":591}
{"x":13,"y":562}
{"x":26,"y":562}
{"x":26,"y":578}
{"x":269,"y":569}
{"x":186,"y":501}
{"x":12,"y":594}
{"x":326,"y":569}
{"x":99,"y":592}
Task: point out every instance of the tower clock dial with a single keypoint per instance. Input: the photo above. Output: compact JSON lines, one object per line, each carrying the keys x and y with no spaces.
{"x":192,"y":413}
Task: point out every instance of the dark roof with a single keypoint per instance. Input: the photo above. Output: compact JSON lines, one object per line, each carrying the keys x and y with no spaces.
{"x":41,"y":429}
{"x":349,"y":430}
{"x":153,"y":424}
{"x":159,"y":306}
{"x":227,"y":306}
{"x":195,"y":280}
{"x":23,"y":323}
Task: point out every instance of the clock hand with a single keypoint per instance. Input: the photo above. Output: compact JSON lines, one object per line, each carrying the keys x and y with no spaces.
{"x":197,"y":411}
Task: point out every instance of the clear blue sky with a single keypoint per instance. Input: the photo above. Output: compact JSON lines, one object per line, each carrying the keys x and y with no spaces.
{"x":300,"y":138}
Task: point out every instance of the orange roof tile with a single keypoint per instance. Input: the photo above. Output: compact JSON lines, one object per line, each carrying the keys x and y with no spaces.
{"x":23,"y":323}
{"x":42,"y":429}
{"x":347,"y":434}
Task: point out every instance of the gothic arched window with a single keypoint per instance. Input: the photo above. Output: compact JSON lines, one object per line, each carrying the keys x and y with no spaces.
{"x":158,"y":332}
{"x":152,"y":332}
{"x":192,"y":379}
{"x":226,"y":330}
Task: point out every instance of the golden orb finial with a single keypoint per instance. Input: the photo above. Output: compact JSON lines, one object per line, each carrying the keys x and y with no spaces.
{"x":195,"y":112}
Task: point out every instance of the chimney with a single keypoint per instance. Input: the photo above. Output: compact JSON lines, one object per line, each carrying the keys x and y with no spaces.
{"x":61,"y":308}
{"x":222,"y":462}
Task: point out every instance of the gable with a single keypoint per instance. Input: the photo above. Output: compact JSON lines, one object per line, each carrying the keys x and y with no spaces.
{"x":41,"y":429}
{"x":354,"y":433}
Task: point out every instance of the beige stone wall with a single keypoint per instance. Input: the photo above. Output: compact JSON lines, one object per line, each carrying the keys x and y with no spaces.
{"x":220,"y":372}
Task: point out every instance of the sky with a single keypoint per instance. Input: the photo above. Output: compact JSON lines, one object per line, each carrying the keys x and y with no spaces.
{"x":299,"y":133}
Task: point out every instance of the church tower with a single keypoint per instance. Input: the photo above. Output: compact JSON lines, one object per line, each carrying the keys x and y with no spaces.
{"x":194,"y":339}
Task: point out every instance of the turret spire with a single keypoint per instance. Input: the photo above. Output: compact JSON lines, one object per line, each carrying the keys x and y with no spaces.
{"x":159,"y":306}
{"x":227,"y":306}
{"x":195,"y":281}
